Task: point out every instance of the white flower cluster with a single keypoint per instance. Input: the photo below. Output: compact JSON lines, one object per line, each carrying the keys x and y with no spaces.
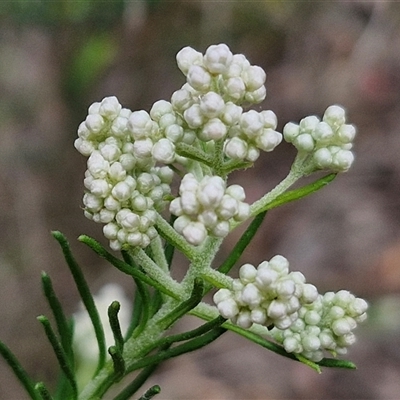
{"x":266,"y":295}
{"x":304,"y":321}
{"x":217,"y":83}
{"x":206,"y":207}
{"x":124,"y":185}
{"x":326,"y":324}
{"x":329,"y":140}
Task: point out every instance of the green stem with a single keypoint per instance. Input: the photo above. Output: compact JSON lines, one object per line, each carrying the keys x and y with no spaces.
{"x":217,"y":279}
{"x":158,"y":275}
{"x":174,"y":238}
{"x":202,"y":261}
{"x":296,"y":172}
{"x":158,"y":254}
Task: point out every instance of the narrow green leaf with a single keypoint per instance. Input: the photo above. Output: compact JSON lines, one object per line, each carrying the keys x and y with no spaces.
{"x":297,"y":194}
{"x":136,"y":314}
{"x":169,"y":249}
{"x":19,"y":371}
{"x":335,"y":363}
{"x":43,"y":392}
{"x":184,"y":307}
{"x":141,"y":314}
{"x":150,"y":393}
{"x":86,"y":296}
{"x":242,"y":243}
{"x":134,"y":386}
{"x":60,"y":354}
{"x":186,"y":347}
{"x":201,"y":330}
{"x":63,"y":326}
{"x":113,"y":311}
{"x":233,"y":165}
{"x":123,"y":266}
{"x":155,"y":303}
{"x":118,"y":363}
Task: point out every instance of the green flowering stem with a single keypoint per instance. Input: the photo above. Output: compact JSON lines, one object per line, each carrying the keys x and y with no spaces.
{"x":43,"y":391}
{"x":19,"y":371}
{"x":60,"y":354}
{"x":63,"y":327}
{"x":126,"y":268}
{"x":85,"y":294}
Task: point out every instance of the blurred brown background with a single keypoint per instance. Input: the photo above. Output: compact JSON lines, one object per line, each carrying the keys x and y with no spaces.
{"x":58,"y":57}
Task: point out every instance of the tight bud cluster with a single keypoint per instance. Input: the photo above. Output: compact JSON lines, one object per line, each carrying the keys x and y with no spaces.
{"x":217,"y":84}
{"x":329,"y":140}
{"x":124,"y":185}
{"x":326,"y":324}
{"x":232,"y":74}
{"x":302,"y":320}
{"x":266,"y":295}
{"x":206,"y":207}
